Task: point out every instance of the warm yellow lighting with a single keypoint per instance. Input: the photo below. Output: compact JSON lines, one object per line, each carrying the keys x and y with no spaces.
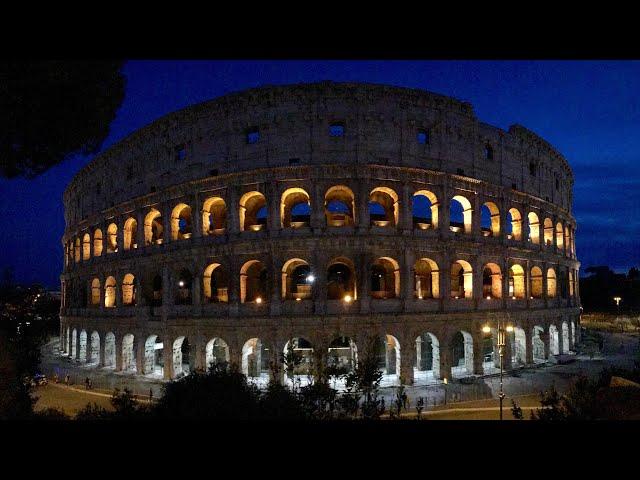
{"x":445,"y":380}
{"x":181,"y":283}
{"x":259,"y":300}
{"x":298,"y":299}
{"x":488,"y":297}
{"x":617,"y":300}
{"x":486,"y":329}
{"x":420,"y":297}
{"x":509,"y":328}
{"x":347,"y":298}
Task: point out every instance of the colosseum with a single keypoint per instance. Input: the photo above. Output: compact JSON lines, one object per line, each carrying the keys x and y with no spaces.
{"x":315,"y":216}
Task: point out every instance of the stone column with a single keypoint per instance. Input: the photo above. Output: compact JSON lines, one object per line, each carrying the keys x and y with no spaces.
{"x":274,"y":266}
{"x":477,"y":351}
{"x":407,"y":362}
{"x":273,"y":209}
{"x":200,"y":361}
{"x":233,"y":210}
{"x":545,"y":339}
{"x":167,"y":357}
{"x":119,"y":221}
{"x":317,"y":220}
{"x":196,"y":216}
{"x":560,"y":339}
{"x":362,"y":206}
{"x":406,"y":277}
{"x":234,"y":284}
{"x":445,"y":359}
{"x":140,"y":232}
{"x":406,"y":210}
{"x":528,"y":333}
{"x":139,"y":353}
{"x":476,"y":216}
{"x":118,"y":348}
{"x":363,"y":281}
{"x":444,"y":216}
{"x":166,"y":223}
{"x":319,"y":288}
{"x":507,"y":351}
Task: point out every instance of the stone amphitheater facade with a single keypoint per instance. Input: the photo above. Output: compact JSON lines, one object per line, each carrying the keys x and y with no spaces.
{"x":318,"y":216}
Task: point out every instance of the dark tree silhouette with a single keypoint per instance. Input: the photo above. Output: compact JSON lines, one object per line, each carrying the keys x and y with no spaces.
{"x":52,"y":109}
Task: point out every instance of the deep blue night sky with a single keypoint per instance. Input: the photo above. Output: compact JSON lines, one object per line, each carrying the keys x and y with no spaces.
{"x":590,"y":111}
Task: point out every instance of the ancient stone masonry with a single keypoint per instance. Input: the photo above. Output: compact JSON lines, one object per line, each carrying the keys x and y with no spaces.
{"x":312,"y":216}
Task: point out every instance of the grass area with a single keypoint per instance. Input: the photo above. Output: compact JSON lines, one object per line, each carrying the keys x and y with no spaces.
{"x":68,"y":400}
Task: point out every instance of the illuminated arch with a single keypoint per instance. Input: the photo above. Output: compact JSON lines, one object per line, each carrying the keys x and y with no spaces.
{"x":536,"y":282}
{"x":385,"y":278}
{"x":467,"y":215}
{"x":181,"y":228}
{"x":130,"y":233}
{"x":386,"y":200}
{"x":428,"y":218}
{"x":255,"y":359}
{"x":515,"y":223}
{"x":295,"y":208}
{"x":341,"y":279}
{"x":183,"y":288}
{"x":76,"y":250}
{"x":491,"y":281}
{"x":216,"y":352}
{"x":426,"y":279}
{"x":128,"y":290}
{"x":253,"y":282}
{"x":215,"y":283}
{"x":490,"y":219}
{"x":252,"y":206}
{"x":339,"y":206}
{"x":97,"y":242}
{"x":297,"y":280}
{"x":516,"y":282}
{"x":559,"y":235}
{"x":534,"y":228}
{"x":110,"y":292}
{"x":112,"y":238}
{"x":214,"y":216}
{"x":95,"y":292}
{"x":461,"y":279}
{"x":427,"y":356}
{"x":153,"y":228}
{"x":551,"y":283}
{"x":548,"y":232}
{"x":86,"y":247}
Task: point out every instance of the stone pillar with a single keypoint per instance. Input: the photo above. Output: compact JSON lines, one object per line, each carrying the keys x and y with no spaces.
{"x":140,"y":232}
{"x":317,"y":220}
{"x":445,"y":360}
{"x":119,"y":221}
{"x":118,"y":348}
{"x":233,"y":210}
{"x":545,"y":339}
{"x":196,"y":216}
{"x":167,"y":233}
{"x":406,"y":276}
{"x":444,"y":216}
{"x":477,"y":351}
{"x":406,"y":209}
{"x":200,"y":361}
{"x":274,"y":266}
{"x":407,"y":362}
{"x":363,"y":281}
{"x":507,"y":351}
{"x":139,"y":353}
{"x":319,"y":288}
{"x":560,"y":339}
{"x":362,"y":206}
{"x":101,"y":357}
{"x":528,"y":333}
{"x":273,"y":209}
{"x":476,"y":216}
{"x":167,"y":296}
{"x":167,"y":357}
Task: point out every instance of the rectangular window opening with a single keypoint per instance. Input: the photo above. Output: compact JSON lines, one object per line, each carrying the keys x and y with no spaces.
{"x":336,"y":130}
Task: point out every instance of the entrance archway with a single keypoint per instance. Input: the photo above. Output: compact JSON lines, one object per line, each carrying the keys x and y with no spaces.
{"x":461,"y":355}
{"x":255,"y":361}
{"x":298,"y":360}
{"x":128,"y":354}
{"x":427,"y":369}
{"x":94,"y":349}
{"x":181,"y":357}
{"x":554,"y":341}
{"x":83,"y":346}
{"x":153,"y":356}
{"x":216,"y":352}
{"x":110,"y":350}
{"x":537,"y":344}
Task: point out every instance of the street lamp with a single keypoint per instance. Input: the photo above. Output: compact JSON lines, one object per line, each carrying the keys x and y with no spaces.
{"x":617,"y":300}
{"x":502,"y":331}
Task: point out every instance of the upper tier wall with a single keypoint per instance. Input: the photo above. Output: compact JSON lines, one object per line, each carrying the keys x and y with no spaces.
{"x":380,"y":127}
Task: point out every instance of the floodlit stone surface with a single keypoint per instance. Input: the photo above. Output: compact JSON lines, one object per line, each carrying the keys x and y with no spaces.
{"x":225,"y":230}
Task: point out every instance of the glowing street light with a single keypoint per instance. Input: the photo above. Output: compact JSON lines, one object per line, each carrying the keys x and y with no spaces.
{"x":508,"y":328}
{"x":258,"y":300}
{"x":311,"y":278}
{"x":617,"y":300}
{"x":181,"y":283}
{"x":347,"y":298}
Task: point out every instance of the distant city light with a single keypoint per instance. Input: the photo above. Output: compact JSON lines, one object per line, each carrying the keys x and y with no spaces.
{"x":259,"y":300}
{"x":311,"y":278}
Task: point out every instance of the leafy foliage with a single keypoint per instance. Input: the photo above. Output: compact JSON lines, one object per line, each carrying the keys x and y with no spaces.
{"x":51,"y":109}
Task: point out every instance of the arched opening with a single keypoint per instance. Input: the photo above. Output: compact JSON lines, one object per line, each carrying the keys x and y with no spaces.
{"x":110,"y":350}
{"x":425,"y":210}
{"x":537,"y":344}
{"x":255,"y":361}
{"x":128,"y":290}
{"x":253,"y":282}
{"x":112,"y":238}
{"x":534,"y":228}
{"x":181,"y":357}
{"x":97,"y":242}
{"x":490,"y":220}
{"x":298,"y":361}
{"x":153,"y":228}
{"x":339,"y":206}
{"x":67,"y":341}
{"x":86,"y":247}
{"x":461,"y":279}
{"x":559,"y":235}
{"x":74,"y":344}
{"x":341,"y":279}
{"x":253,"y":212}
{"x":95,"y":292}
{"x":83,"y":346}
{"x":514,"y":224}
{"x":389,"y":359}
{"x":518,"y":346}
{"x":461,"y":215}
{"x":94,"y":348}
{"x":536,"y":282}
{"x":461,"y":355}
{"x":214,"y":216}
{"x":383,"y":207}
{"x":565,"y":337}
{"x":572,"y":326}
{"x":567,"y":238}
{"x":181,"y":228}
{"x":516,"y":282}
{"x":153,"y":356}
{"x":128,"y":354}
{"x":548,"y":232}
{"x":489,"y":351}
{"x":554,"y":340}
{"x":110,"y":292}
{"x":295,"y":208}
{"x":216,"y":352}
{"x":426,"y":279}
{"x":342,"y":356}
{"x":155,"y":299}
{"x":183,"y":291}
{"x":427,"y":367}
{"x":551,"y":283}
{"x":130,"y":233}
{"x":297,"y":280}
{"x":76,"y":250}
{"x":385,"y":278}
{"x":491,"y":281}
{"x":215,"y":283}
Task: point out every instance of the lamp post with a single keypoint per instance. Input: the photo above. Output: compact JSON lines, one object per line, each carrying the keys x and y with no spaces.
{"x":502,"y":331}
{"x":617,"y":300}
